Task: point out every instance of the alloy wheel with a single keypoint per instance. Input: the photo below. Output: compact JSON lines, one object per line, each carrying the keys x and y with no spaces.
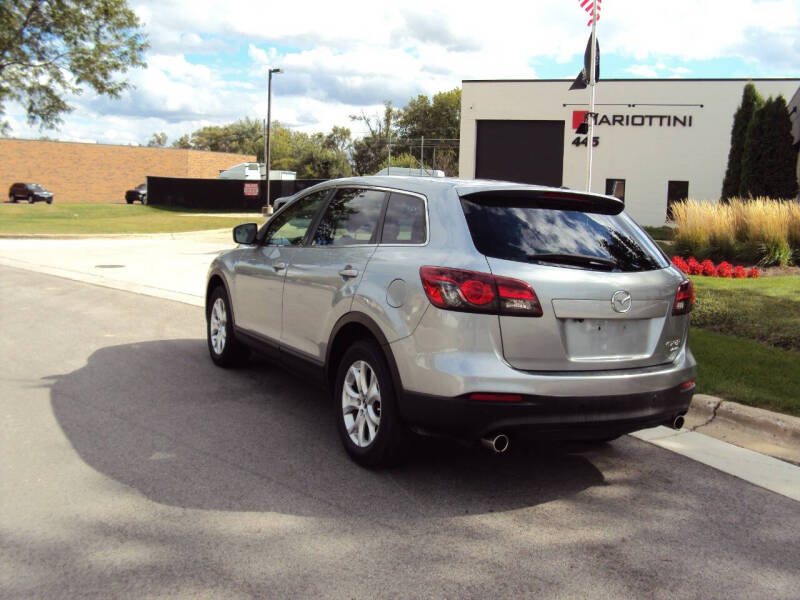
{"x":361,"y":404}
{"x":217,"y":331}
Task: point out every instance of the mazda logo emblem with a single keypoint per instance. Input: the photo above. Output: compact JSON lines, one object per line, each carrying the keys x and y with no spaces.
{"x":621,"y":301}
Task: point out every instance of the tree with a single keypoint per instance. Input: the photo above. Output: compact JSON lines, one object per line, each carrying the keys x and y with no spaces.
{"x":339,"y":139}
{"x":405,"y":160}
{"x":50,"y":49}
{"x":751,"y":102}
{"x":183,"y":142}
{"x":769,"y":158}
{"x":319,"y":160}
{"x":316,"y":156}
{"x":245,"y":136}
{"x":370,"y":151}
{"x":438,"y":121}
{"x":158,"y":140}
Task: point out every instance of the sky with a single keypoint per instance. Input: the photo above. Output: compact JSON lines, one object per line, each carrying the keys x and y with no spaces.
{"x":207,"y":60}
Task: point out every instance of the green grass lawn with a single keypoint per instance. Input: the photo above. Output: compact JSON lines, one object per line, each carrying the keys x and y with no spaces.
{"x":746,"y":338}
{"x":764,"y":310}
{"x":746,"y":371}
{"x":106,"y":218}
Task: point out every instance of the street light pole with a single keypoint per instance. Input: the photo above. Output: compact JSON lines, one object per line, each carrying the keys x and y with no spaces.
{"x":268,"y":207}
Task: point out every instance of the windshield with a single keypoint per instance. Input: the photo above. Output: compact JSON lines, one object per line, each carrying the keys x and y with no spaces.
{"x":511,"y":229}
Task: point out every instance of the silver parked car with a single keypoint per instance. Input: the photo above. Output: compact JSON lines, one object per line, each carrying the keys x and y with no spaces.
{"x":477,"y":309}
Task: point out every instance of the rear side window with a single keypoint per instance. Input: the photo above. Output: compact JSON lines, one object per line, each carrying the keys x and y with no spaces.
{"x":351,"y":218}
{"x":405,"y":220}
{"x":513,"y":229}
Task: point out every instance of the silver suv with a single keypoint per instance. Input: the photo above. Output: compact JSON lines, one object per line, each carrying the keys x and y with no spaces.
{"x":476,"y":309}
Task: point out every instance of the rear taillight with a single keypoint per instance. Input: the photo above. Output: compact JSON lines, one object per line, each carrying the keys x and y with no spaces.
{"x":684,"y":299}
{"x":472,"y":291}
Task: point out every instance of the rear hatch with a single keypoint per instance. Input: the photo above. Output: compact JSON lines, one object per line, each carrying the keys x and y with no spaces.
{"x":605,"y":288}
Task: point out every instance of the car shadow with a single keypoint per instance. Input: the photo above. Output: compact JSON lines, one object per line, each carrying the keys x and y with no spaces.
{"x":161,"y":418}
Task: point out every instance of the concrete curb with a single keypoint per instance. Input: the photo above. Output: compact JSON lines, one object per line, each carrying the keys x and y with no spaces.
{"x":784,"y":427}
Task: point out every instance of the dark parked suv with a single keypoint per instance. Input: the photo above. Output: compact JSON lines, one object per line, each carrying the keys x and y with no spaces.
{"x":32,"y":192}
{"x":138,"y":193}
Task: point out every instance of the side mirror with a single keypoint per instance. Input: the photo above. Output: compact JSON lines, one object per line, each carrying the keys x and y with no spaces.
{"x":245,"y":233}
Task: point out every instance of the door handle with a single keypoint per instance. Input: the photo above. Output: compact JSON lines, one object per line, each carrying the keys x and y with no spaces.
{"x":349,"y":272}
{"x":279,"y":266}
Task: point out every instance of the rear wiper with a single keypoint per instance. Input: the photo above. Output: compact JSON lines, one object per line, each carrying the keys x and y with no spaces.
{"x":578,"y":260}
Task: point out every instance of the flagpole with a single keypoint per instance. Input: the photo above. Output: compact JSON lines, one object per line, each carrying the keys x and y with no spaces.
{"x":592,"y":84}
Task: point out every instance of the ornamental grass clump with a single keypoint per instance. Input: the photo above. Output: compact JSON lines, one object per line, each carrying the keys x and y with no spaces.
{"x":760,"y":230}
{"x":765,"y":230}
{"x":794,"y":230}
{"x":691,"y":235}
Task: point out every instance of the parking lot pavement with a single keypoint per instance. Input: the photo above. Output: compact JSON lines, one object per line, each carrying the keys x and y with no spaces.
{"x":174,"y":266}
{"x":132,"y":467}
{"x":164,"y":265}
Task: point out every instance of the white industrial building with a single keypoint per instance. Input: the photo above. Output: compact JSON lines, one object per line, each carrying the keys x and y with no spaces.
{"x":655,"y":140}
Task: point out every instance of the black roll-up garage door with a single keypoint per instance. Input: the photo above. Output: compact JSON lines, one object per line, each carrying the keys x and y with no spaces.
{"x":523,"y":151}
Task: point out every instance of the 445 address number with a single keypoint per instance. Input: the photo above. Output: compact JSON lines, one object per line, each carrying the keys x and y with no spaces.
{"x":582,"y":141}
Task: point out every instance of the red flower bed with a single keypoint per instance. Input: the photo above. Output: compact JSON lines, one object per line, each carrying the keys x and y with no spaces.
{"x":707,"y":268}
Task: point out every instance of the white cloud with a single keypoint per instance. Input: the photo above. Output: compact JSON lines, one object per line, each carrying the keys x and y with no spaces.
{"x":207,"y":61}
{"x":643,"y":71}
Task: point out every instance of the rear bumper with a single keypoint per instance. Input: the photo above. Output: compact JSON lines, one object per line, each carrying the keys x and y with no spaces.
{"x":575,"y":417}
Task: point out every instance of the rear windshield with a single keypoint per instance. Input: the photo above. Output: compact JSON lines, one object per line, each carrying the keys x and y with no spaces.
{"x":512,"y":229}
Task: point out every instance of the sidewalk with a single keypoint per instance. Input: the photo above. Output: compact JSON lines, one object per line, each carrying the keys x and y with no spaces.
{"x":169,"y":266}
{"x":174,"y":266}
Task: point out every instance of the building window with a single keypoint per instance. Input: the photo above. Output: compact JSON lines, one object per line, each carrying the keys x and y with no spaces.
{"x":677,"y":191}
{"x":616,"y":187}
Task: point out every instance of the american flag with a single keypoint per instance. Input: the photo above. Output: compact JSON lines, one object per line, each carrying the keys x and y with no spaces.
{"x":588,"y":6}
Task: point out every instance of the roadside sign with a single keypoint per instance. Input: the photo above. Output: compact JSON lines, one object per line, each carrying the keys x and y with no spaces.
{"x":251,"y":189}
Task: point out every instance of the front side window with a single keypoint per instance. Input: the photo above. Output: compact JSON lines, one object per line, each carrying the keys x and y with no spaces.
{"x":289,"y":228}
{"x":405,"y":220}
{"x":351,"y":218}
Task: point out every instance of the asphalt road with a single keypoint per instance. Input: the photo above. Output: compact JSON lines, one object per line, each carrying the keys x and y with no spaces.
{"x":130,"y":466}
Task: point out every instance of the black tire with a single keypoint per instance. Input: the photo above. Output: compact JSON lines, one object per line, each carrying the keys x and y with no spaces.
{"x":128,"y":200}
{"x":49,"y":200}
{"x":232,"y":353}
{"x":388,"y":445}
{"x":31,"y":199}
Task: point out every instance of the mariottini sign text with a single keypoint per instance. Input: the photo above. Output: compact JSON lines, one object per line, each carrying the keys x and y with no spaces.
{"x":583,"y":116}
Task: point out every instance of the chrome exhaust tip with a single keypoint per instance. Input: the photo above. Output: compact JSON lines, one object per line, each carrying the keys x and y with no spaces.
{"x":677,"y":422}
{"x":496,"y":443}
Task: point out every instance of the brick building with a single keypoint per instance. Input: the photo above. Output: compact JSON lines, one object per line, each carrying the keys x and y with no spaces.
{"x":77,"y":172}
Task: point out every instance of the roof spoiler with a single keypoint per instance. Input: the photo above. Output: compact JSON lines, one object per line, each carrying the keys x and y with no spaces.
{"x":545,"y":198}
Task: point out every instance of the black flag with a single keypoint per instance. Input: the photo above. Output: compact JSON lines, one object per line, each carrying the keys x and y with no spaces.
{"x":582,"y":80}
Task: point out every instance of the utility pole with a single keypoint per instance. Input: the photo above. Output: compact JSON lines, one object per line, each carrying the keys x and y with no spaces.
{"x":268,"y":207}
{"x":389,"y":137}
{"x":592,"y":85}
